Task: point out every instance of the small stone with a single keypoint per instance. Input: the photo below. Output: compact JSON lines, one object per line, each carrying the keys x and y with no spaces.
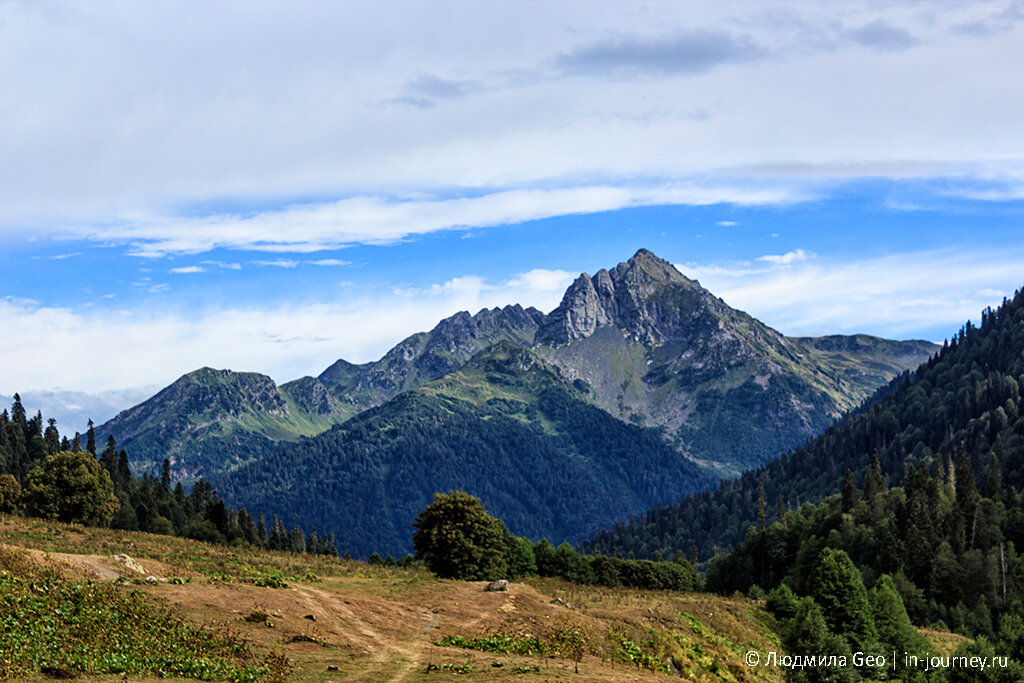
{"x":331,"y":667}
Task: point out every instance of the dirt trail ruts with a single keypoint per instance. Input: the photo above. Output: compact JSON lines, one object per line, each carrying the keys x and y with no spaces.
{"x":385,"y":648}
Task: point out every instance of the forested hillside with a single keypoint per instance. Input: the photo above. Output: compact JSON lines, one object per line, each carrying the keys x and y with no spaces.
{"x":506,"y":428}
{"x":46,"y":475}
{"x":964,"y":402}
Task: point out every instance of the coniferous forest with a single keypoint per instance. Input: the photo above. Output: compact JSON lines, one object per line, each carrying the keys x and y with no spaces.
{"x":38,"y":467}
{"x":964,"y":403}
{"x":927,"y":505}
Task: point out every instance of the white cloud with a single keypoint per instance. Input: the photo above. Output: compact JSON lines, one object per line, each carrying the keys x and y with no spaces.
{"x":726,"y":224}
{"x":172,"y":112}
{"x":188,"y":269}
{"x":541,"y":279}
{"x":277,"y":263}
{"x":378,"y":220}
{"x":330,"y":262}
{"x":111,"y":349}
{"x":794,"y":256}
{"x":223,"y":265}
{"x":894,"y":296}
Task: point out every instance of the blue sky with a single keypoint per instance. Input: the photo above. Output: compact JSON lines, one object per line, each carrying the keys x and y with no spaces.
{"x":270,"y":186}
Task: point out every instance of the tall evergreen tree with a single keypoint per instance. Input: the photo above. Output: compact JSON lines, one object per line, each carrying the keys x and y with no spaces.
{"x":838,"y":588}
{"x":90,"y":440}
{"x":873,"y":482}
{"x":850,"y":494}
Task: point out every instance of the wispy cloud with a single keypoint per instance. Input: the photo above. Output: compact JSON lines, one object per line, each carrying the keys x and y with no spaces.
{"x":425,"y":90}
{"x":224,"y":265}
{"x":684,"y":52}
{"x":277,"y":263}
{"x":188,"y":269}
{"x":330,"y":262}
{"x":882,"y":36}
{"x":380,"y":220}
{"x":794,"y":256}
{"x":59,"y":257}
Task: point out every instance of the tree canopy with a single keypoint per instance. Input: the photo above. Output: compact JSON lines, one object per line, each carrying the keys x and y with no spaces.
{"x":457,"y":539}
{"x":71,"y":487}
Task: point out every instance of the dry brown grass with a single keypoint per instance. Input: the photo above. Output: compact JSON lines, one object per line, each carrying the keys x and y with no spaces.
{"x":379,"y":624}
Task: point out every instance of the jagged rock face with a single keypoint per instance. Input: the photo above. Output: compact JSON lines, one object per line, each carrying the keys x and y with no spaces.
{"x":426,"y":356}
{"x":646,"y":297}
{"x":658,"y":349}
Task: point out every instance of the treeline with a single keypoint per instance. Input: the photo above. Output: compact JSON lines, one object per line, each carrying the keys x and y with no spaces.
{"x":965,"y":401}
{"x":47,"y":475}
{"x":456,"y":538}
{"x":565,"y":562}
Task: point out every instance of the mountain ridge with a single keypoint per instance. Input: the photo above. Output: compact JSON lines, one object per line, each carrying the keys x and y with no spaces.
{"x":656,"y":349}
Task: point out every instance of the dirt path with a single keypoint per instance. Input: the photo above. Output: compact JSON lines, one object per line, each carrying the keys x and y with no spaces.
{"x":380,"y":628}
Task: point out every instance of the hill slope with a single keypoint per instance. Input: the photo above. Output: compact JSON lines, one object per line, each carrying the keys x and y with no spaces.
{"x":371,"y":623}
{"x":965,"y":401}
{"x":211,"y":420}
{"x":506,"y":428}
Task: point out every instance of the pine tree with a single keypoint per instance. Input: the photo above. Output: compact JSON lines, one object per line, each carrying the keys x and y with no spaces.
{"x":850,"y":494}
{"x":762,"y":506}
{"x":808,"y":634}
{"x":837,"y":587}
{"x":51,"y":437}
{"x":261,"y":531}
{"x":895,"y":632}
{"x":90,"y":440}
{"x":873,"y":482}
{"x":993,"y":477}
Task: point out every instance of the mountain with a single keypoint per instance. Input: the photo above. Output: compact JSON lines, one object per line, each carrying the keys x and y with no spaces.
{"x":427,"y":356}
{"x":655,"y":348}
{"x":506,"y":427}
{"x":661,"y":351}
{"x":212,"y":420}
{"x":966,"y":401}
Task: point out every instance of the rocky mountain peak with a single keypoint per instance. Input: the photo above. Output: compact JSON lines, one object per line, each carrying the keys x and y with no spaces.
{"x":643,"y":296}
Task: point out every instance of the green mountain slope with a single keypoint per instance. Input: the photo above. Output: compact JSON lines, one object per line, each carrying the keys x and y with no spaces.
{"x":211,"y":420}
{"x":966,"y":402}
{"x":506,"y":428}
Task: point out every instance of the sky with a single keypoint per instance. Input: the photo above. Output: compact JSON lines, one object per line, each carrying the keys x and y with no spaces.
{"x":269,"y":186}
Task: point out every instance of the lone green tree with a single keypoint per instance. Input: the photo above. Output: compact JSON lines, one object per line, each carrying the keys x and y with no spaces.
{"x":457,"y":539}
{"x":70,"y":487}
